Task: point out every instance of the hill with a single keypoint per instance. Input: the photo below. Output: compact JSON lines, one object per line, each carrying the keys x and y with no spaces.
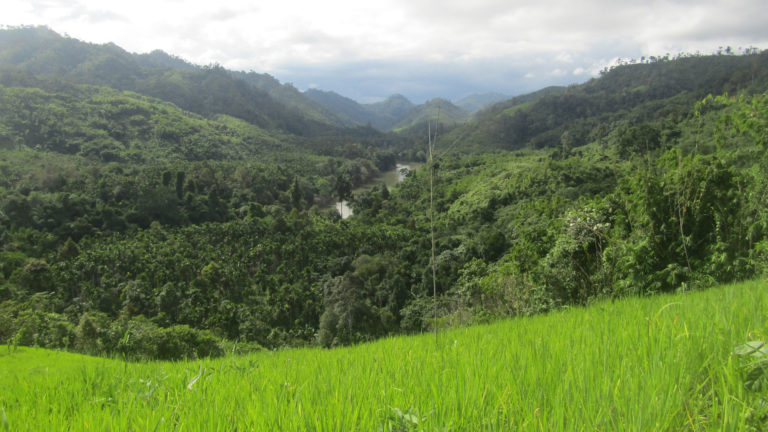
{"x":113,"y":126}
{"x":205,"y":90}
{"x":414,"y":122}
{"x":346,"y":107}
{"x":651,"y":91}
{"x":476,"y":102}
{"x":291,"y":97}
{"x":396,"y":113}
{"x":390,"y":111}
{"x":661,"y":363}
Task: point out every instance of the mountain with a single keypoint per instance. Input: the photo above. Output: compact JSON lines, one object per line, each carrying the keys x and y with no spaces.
{"x":476,"y":102}
{"x":206,"y":90}
{"x":631,"y":93}
{"x":108,"y":125}
{"x":291,"y":97}
{"x":442,"y":109}
{"x":384,"y":115}
{"x":342,"y":106}
{"x":390,"y":111}
{"x":159,"y":59}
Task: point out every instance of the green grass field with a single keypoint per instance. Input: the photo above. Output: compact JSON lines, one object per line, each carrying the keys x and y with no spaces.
{"x":659,"y":363}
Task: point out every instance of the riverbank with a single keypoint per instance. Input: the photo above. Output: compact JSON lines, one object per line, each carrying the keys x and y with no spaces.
{"x":390,"y":178}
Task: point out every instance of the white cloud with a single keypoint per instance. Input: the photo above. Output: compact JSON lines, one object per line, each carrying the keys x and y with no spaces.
{"x":521,"y":39}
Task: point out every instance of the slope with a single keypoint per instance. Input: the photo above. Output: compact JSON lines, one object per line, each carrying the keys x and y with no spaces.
{"x":384,"y":115}
{"x":291,"y":97}
{"x":661,"y":363}
{"x":203,"y":90}
{"x":417,"y":118}
{"x":109,"y":125}
{"x":390,"y":111}
{"x":346,"y":107}
{"x":476,"y":102}
{"x":663,"y":88}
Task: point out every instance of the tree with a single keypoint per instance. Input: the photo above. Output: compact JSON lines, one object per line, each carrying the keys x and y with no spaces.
{"x":180,"y":176}
{"x":296,"y":193}
{"x":34,"y":277}
{"x":640,"y":140}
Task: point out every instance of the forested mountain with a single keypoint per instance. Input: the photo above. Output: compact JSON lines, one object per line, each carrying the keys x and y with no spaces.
{"x":383,"y":115}
{"x":648,"y":91}
{"x":390,"y":111}
{"x":476,"y":102}
{"x":394,"y":113}
{"x":205,"y":90}
{"x":346,"y":107}
{"x":168,"y":210}
{"x":291,"y":97}
{"x":415,"y":125}
{"x":112,"y":126}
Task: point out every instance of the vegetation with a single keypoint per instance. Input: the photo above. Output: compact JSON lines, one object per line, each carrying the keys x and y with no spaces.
{"x":661,"y":91}
{"x":140,"y":223}
{"x":666,"y":362}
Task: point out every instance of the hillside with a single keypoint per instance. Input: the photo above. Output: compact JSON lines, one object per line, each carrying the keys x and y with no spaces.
{"x":476,"y":102}
{"x":390,"y":111}
{"x":449,"y":114}
{"x":113,"y":126}
{"x":660,"y":363}
{"x":237,"y":249}
{"x":395,"y":113}
{"x":207,"y":90}
{"x":291,"y":97}
{"x":632,"y":93}
{"x":343,"y":106}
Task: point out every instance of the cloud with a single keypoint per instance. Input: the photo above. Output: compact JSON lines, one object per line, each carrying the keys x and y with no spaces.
{"x":407,"y":46}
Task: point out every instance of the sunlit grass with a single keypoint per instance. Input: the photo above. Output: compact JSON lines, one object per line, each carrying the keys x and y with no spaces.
{"x":660,"y":363}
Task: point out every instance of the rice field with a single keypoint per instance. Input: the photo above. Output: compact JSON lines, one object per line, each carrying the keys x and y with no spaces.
{"x":644,"y":364}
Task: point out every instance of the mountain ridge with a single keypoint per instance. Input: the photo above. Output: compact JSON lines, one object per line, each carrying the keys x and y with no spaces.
{"x":204,"y":90}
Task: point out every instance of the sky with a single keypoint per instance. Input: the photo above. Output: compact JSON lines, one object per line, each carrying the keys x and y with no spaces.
{"x":368,"y":50}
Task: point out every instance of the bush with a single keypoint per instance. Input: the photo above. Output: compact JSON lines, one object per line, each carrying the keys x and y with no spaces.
{"x":181,"y":342}
{"x":50,"y":330}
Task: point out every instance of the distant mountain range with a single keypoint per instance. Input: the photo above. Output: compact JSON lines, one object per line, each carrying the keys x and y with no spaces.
{"x":394,"y":113}
{"x":257,"y":98}
{"x":476,"y":102}
{"x":37,"y":57}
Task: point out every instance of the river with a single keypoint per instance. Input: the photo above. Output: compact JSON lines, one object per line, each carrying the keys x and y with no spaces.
{"x":389,"y":178}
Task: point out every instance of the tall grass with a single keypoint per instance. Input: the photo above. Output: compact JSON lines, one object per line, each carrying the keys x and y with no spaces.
{"x":660,"y":363}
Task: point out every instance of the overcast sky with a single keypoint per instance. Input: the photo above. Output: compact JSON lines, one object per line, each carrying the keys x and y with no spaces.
{"x":367,"y":49}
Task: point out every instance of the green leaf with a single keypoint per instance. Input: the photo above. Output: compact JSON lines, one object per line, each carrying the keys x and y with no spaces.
{"x":752,"y":348}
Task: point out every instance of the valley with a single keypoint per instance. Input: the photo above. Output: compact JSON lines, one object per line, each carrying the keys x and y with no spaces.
{"x":176,"y":236}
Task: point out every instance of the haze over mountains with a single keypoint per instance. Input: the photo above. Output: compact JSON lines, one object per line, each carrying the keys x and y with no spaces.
{"x":42,"y":51}
{"x":40,"y":57}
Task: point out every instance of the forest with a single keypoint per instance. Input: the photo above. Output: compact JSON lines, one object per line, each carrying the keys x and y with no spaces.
{"x":154,"y":209}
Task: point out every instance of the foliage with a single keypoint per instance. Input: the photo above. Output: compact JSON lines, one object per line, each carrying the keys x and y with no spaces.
{"x":131,"y":226}
{"x":657,"y":363}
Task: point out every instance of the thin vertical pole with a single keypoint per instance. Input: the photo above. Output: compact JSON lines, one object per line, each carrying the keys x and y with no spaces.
{"x":431,"y":144}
